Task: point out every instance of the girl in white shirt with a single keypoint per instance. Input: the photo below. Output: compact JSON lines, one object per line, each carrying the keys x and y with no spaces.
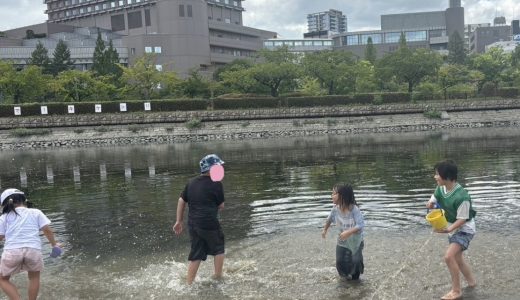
{"x":20,"y":227}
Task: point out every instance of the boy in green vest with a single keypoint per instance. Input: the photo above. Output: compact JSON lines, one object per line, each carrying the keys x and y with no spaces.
{"x":456,"y":202}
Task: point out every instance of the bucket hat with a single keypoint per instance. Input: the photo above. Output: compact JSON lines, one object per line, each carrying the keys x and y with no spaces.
{"x":209,"y":160}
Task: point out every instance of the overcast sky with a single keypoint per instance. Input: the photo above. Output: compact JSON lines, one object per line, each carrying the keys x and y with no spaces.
{"x":289,"y":17}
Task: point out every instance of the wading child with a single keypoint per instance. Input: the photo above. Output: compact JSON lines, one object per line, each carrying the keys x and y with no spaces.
{"x":456,"y":202}
{"x":20,"y":227}
{"x":204,"y":198}
{"x":348,"y":218}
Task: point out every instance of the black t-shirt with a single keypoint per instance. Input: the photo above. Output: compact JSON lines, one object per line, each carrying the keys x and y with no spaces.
{"x":203,"y":197}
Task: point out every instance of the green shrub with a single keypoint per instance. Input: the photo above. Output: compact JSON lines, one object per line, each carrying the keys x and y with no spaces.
{"x":364,"y":98}
{"x":395,"y":97}
{"x":25,"y":132}
{"x":488,"y":89}
{"x":432,"y":114}
{"x":194,"y":124}
{"x":508,"y":92}
{"x":243,"y":103}
{"x":318,"y":101}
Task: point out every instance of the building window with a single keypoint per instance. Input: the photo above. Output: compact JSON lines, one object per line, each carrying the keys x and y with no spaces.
{"x":121,"y":3}
{"x":148,"y":49}
{"x":147,"y":18}
{"x":157,"y":49}
{"x":189,"y":10}
{"x":227,"y":21}
{"x":158,"y":68}
{"x":392,"y":37}
{"x":298,"y":43}
{"x":98,"y":7}
{"x":181,"y":10}
{"x":235,"y":3}
{"x":112,"y":4}
{"x":117,"y":22}
{"x":376,"y":38}
{"x":132,"y":51}
{"x":415,"y":36}
{"x":352,"y":40}
{"x":135,"y":20}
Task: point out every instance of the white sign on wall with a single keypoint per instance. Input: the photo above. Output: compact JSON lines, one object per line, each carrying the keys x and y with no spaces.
{"x":44,"y":110}
{"x":97,"y":108}
{"x":147,"y":106}
{"x":17,"y":110}
{"x":122,"y":106}
{"x":70,"y":109}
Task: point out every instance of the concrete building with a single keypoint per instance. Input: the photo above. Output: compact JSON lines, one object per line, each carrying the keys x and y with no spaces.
{"x":185,"y":35}
{"x":470,"y":28}
{"x":16,"y":47}
{"x":325,"y":24}
{"x":484,"y":36}
{"x":429,"y":30}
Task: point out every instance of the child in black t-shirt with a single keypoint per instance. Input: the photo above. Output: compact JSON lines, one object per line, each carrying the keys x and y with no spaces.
{"x":205,"y":198}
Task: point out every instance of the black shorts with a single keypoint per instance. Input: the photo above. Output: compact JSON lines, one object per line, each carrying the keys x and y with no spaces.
{"x":205,"y":242}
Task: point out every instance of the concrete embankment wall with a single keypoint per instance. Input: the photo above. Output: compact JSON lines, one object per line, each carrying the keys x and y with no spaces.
{"x":145,"y":128}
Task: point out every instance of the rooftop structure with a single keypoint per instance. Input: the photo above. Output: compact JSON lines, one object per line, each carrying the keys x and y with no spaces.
{"x":325,"y":24}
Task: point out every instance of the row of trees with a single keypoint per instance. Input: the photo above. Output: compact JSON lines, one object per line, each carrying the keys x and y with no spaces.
{"x":425,"y":73}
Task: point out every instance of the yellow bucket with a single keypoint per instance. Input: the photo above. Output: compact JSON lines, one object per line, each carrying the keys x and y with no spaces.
{"x":437,"y":219}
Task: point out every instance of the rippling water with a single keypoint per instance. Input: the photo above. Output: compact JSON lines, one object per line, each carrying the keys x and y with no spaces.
{"x":114,"y":207}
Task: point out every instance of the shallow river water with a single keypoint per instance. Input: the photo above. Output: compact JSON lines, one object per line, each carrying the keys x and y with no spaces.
{"x":113,"y":208}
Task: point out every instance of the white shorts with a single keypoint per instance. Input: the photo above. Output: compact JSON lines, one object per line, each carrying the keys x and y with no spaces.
{"x":22,"y":259}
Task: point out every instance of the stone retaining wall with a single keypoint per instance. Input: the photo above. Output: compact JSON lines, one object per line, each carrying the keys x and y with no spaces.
{"x":247,"y":128}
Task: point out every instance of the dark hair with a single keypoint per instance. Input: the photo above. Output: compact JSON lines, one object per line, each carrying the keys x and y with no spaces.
{"x":447,"y":170}
{"x":345,"y":195}
{"x":13,"y":201}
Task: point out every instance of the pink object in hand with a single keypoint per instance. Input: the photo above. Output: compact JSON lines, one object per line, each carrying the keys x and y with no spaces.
{"x":216,"y":172}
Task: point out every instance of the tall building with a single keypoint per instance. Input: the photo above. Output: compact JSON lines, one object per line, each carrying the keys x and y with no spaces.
{"x":185,"y":35}
{"x":429,"y":30}
{"x":325,"y":24}
{"x":469,"y":29}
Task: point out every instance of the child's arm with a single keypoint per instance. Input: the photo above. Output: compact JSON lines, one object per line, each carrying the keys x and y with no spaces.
{"x":326,"y":228}
{"x":49,"y":234}
{"x":177,"y":228}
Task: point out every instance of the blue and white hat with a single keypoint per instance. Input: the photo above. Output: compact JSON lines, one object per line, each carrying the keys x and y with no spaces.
{"x":209,"y":160}
{"x":7,"y":193}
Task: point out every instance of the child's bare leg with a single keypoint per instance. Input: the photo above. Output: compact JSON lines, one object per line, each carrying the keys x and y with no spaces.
{"x":9,"y":289}
{"x":193,"y":267}
{"x":34,"y":285}
{"x":466,"y":270}
{"x":453,"y":267}
{"x":219,"y":265}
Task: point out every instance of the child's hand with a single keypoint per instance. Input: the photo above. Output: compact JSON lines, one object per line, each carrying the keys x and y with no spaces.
{"x":324,"y":233}
{"x":177,"y":228}
{"x":430,"y":205}
{"x":344,"y":235}
{"x":56,"y":251}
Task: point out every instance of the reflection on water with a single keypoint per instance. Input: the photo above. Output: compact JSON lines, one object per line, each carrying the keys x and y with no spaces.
{"x":114,"y":208}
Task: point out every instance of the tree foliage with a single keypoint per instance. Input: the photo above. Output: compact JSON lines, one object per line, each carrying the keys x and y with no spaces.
{"x":328,"y":67}
{"x":456,"y":49}
{"x":61,"y":60}
{"x":370,"y":51}
{"x":40,"y":58}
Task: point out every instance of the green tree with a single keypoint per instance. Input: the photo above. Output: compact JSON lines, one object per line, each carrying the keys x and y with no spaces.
{"x":237,"y":64}
{"x":329,"y":67}
{"x":492,"y":64}
{"x":195,"y":86}
{"x":27,"y":85}
{"x":75,"y":85}
{"x":277,"y":70}
{"x":142,"y":78}
{"x":370,"y":51}
{"x":40,"y":58}
{"x":112,"y":61}
{"x":61,"y":59}
{"x":408,"y":66}
{"x":515,"y":57}
{"x":99,"y":59}
{"x":457,"y":51}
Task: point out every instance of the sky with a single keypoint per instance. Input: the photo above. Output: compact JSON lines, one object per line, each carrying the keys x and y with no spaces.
{"x":289,"y":17}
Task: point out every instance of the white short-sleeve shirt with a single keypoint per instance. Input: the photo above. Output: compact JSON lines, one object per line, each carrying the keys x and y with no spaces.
{"x":23,"y":229}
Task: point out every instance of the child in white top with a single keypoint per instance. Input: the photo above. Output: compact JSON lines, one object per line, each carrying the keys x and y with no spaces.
{"x":20,"y":227}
